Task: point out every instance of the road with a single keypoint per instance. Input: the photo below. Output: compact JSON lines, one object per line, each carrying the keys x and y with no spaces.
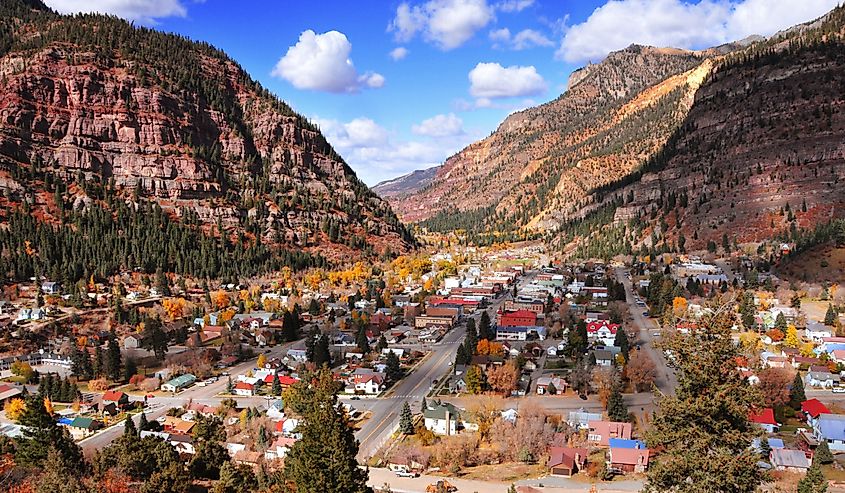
{"x":665,"y":380}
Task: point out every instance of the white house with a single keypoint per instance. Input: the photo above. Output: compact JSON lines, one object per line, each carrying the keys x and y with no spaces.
{"x":816,"y":331}
{"x":824,"y":380}
{"x":831,"y":428}
{"x":276,"y":409}
{"x":442,"y":418}
{"x":279,"y":448}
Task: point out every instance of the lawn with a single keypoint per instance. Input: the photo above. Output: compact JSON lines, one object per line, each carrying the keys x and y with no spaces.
{"x":506,"y":472}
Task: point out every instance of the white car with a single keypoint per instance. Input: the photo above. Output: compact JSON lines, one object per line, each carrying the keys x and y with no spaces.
{"x":838,"y":390}
{"x":402,"y":473}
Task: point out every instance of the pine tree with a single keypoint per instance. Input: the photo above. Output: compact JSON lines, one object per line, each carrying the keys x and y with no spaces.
{"x":780,"y":322}
{"x":616,"y":409}
{"x":290,"y":327}
{"x":362,"y":341}
{"x":394,"y":370}
{"x":621,"y":341}
{"x":822,"y":453}
{"x":143,"y":424}
{"x":796,"y":393}
{"x":406,"y":423}
{"x":704,"y":429}
{"x":40,"y":433}
{"x":113,"y":360}
{"x":98,"y":363}
{"x":129,"y":426}
{"x":276,"y":388}
{"x":830,"y":316}
{"x":230,"y":387}
{"x":382,"y":343}
{"x":324,"y":459}
{"x":813,"y":481}
{"x":484,"y":329}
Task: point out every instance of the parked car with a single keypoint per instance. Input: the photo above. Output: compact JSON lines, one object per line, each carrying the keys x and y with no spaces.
{"x":838,"y":390}
{"x":402,"y":473}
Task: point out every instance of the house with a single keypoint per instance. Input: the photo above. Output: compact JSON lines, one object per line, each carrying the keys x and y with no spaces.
{"x":784,"y":459}
{"x":821,"y":379}
{"x":580,"y":420}
{"x":566,"y":461}
{"x":603,"y":357}
{"x":602,"y":431}
{"x":765,"y":419}
{"x":184,"y":444}
{"x":602,"y":330}
{"x":131,"y":342}
{"x":115,"y":397}
{"x":522,"y":333}
{"x":442,"y":418}
{"x":545,"y":385}
{"x":179,"y":383}
{"x":817,"y":331}
{"x":298,"y":354}
{"x":629,"y":459}
{"x":812,"y":408}
{"x":831,"y":428}
{"x":245,"y":389}
{"x":370,"y":384}
{"x":276,"y":410}
{"x":519,"y":318}
{"x":8,"y":392}
{"x":51,"y":288}
{"x":83,"y":427}
{"x":279,"y":448}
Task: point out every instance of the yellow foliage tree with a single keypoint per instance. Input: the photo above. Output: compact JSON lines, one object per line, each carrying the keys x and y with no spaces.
{"x":48,"y":405}
{"x":791,"y":339}
{"x":749,"y":341}
{"x":174,"y":307}
{"x":14,"y":409}
{"x":262,"y":360}
{"x":807,"y":350}
{"x":679,"y":305}
{"x":220,"y":299}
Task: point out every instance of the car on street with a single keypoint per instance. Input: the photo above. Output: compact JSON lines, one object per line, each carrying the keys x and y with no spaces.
{"x":149,"y":396}
{"x":838,"y":390}
{"x":655,"y":334}
{"x":407,"y":474}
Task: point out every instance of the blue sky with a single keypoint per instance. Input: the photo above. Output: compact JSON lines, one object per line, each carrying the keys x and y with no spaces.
{"x":401,"y":85}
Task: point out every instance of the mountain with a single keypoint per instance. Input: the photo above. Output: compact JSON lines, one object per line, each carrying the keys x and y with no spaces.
{"x":653,"y":146}
{"x":99,"y":115}
{"x":406,"y":184}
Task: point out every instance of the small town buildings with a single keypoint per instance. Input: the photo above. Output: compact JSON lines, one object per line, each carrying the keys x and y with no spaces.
{"x":831,"y":428}
{"x":603,"y":357}
{"x":520,"y":333}
{"x":566,"y":461}
{"x":629,"y":459}
{"x":520,"y":318}
{"x":551,"y":385}
{"x":812,"y":409}
{"x":580,"y":420}
{"x":601,"y":432}
{"x":244,"y":389}
{"x":784,"y":459}
{"x":765,"y":419}
{"x":131,"y":342}
{"x":8,"y":392}
{"x":603,"y":331}
{"x":83,"y":427}
{"x":119,"y":399}
{"x":817,"y":332}
{"x":442,"y":418}
{"x":179,"y":383}
{"x":822,"y":379}
{"x":279,"y":448}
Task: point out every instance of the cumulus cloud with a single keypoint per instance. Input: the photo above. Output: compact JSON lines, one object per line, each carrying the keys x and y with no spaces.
{"x":320,"y":62}
{"x":527,"y":38}
{"x":376,"y":155}
{"x":398,"y":53}
{"x":143,"y":11}
{"x":681,"y":23}
{"x":491,"y":81}
{"x":514,"y":5}
{"x":446,"y":23}
{"x":440,"y":126}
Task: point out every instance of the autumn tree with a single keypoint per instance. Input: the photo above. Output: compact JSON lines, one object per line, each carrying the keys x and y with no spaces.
{"x":14,"y":408}
{"x":703,"y":429}
{"x":641,"y":370}
{"x":503,"y":378}
{"x":774,"y":386}
{"x":474,"y":379}
{"x":791,"y":339}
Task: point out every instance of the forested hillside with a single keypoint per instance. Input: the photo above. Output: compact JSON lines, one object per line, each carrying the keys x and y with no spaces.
{"x":166,"y":151}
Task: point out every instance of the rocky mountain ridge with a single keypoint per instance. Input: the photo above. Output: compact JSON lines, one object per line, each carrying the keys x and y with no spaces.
{"x":92,"y":99}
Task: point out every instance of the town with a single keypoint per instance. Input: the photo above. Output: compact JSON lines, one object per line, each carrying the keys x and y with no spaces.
{"x":466,"y":366}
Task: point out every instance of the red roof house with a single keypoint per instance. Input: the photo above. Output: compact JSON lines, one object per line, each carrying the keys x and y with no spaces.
{"x":766,"y":419}
{"x":813,"y":407}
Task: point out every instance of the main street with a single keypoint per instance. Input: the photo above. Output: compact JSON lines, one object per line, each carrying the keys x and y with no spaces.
{"x":665,"y":379}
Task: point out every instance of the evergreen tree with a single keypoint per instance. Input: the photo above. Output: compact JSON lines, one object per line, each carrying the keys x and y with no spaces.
{"x":235,"y":478}
{"x":98,"y":365}
{"x":822,"y":453}
{"x":322,"y":355}
{"x":129,"y":426}
{"x":382,"y":343}
{"x":616,"y":409}
{"x":323,"y":460}
{"x":484,"y":329}
{"x":113,"y":359}
{"x":130,"y":369}
{"x":210,"y":455}
{"x":780,"y":322}
{"x":830,"y":316}
{"x":143,"y":424}
{"x":60,"y":475}
{"x":461,"y":357}
{"x":704,"y":429}
{"x":276,"y":388}
{"x":406,"y":422}
{"x":362,"y":341}
{"x":290,"y":327}
{"x":621,"y":341}
{"x":796,"y":393}
{"x":230,"y":387}
{"x":813,"y":481}
{"x":393,"y":370}
{"x":154,"y":338}
{"x":40,"y":433}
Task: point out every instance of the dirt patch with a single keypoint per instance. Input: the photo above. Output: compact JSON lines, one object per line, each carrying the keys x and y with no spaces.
{"x":823,"y":263}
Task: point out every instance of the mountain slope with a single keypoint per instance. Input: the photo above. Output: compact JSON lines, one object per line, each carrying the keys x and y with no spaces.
{"x":728,"y":145}
{"x":95,"y":111}
{"x":406,"y":184}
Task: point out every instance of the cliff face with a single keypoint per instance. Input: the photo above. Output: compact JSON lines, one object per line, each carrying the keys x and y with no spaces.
{"x":92,"y":98}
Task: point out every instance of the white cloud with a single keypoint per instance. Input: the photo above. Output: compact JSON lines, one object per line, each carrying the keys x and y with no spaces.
{"x":375,"y":156}
{"x":320,"y":62}
{"x":491,"y":81}
{"x":144,"y":11}
{"x":514,"y":5}
{"x":446,"y":23}
{"x":524,"y":39}
{"x":682,"y":24}
{"x":398,"y":53}
{"x":440,"y":126}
